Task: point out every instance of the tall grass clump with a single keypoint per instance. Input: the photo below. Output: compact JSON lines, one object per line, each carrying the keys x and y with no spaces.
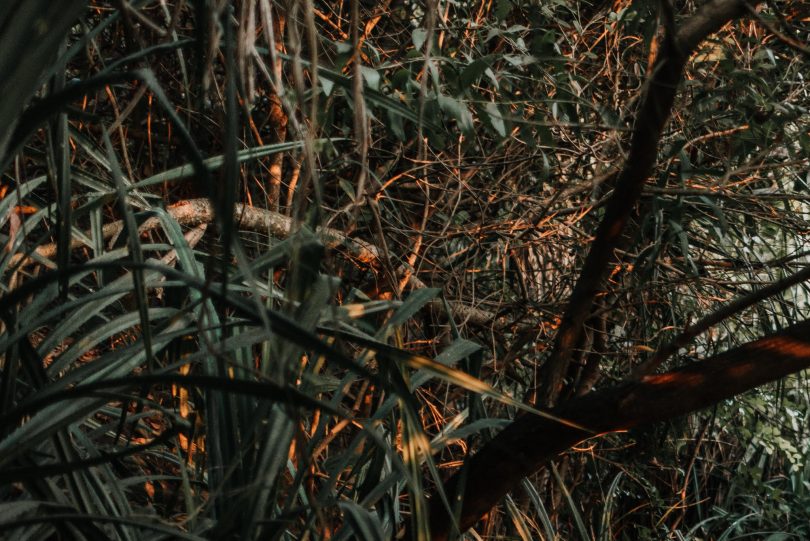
{"x":174,"y":364}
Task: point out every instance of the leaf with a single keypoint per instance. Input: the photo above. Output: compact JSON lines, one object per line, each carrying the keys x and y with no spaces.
{"x":495,"y":118}
{"x":537,"y":501}
{"x":473,"y":72}
{"x":364,"y":525}
{"x":605,"y":533}
{"x":27,"y":47}
{"x":458,"y":350}
{"x":372,"y":96}
{"x":458,"y":111}
{"x":215,"y":162}
{"x":719,"y":214}
{"x":502,"y":9}
{"x":446,"y":374}
{"x":444,"y":439}
{"x":415,"y":301}
{"x":572,"y":506}
{"x":371,"y":77}
{"x":418,"y":37}
{"x":326,"y":85}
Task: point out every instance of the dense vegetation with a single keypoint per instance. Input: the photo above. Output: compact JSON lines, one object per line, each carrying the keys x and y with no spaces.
{"x":499,"y":269}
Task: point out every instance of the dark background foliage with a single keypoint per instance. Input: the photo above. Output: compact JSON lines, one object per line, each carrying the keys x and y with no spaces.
{"x":275,"y":269}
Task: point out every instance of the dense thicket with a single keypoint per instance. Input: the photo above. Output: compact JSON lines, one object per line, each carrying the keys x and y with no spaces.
{"x":305,"y":269}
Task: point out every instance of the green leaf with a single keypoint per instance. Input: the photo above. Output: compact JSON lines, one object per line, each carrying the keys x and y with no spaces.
{"x":458,"y":111}
{"x":371,"y":77}
{"x":418,"y":37}
{"x":364,"y":525}
{"x":502,"y":9}
{"x":495,"y":119}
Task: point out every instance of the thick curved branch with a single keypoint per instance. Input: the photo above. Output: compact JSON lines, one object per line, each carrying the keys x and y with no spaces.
{"x":653,"y":113}
{"x":528,"y":443}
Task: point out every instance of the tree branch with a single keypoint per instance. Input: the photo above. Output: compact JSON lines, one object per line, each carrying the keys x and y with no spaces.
{"x":653,"y":113}
{"x":528,"y":443}
{"x":727,"y":310}
{"x":194,"y":212}
{"x":523,"y":447}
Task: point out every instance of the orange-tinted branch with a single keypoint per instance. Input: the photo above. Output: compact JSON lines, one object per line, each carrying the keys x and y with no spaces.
{"x":654,"y":110}
{"x":527,"y":444}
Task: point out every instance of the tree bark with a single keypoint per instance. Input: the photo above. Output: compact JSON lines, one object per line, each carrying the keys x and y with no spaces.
{"x":527,"y":444}
{"x":653,"y":113}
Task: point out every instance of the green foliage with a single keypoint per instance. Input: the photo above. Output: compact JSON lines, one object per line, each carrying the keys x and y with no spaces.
{"x":187,"y":371}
